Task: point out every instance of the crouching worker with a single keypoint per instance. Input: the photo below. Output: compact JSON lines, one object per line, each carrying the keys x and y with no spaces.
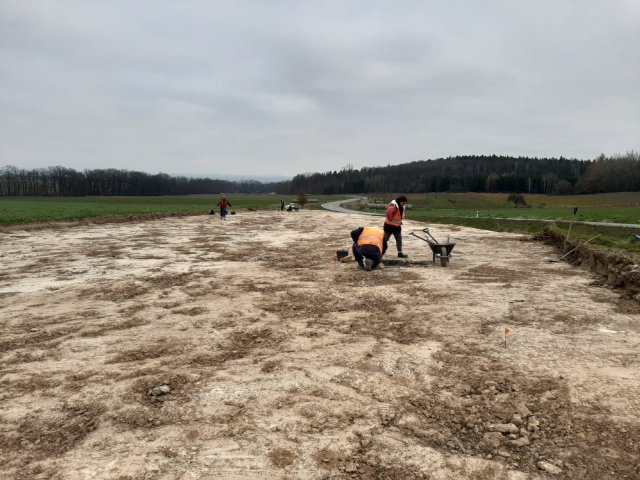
{"x":369,"y":246}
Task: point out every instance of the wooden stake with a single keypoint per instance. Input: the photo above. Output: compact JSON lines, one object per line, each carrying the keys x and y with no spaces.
{"x":574,"y":249}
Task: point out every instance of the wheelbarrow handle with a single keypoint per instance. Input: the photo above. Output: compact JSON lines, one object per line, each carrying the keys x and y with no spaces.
{"x":418,"y":236}
{"x":421,"y":238}
{"x":426,"y":230}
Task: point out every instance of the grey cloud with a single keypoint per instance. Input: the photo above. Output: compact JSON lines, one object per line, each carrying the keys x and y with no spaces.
{"x":286,"y":86}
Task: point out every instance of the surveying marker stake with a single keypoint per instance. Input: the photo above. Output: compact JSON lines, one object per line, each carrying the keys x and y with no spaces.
{"x":507,"y":331}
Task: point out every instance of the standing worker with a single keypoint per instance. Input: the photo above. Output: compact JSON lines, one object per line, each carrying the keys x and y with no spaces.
{"x":369,"y":246}
{"x":393,"y":222}
{"x":282,"y":204}
{"x":223,"y":204}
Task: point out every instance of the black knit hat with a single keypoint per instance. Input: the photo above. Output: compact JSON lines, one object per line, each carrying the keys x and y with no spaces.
{"x":401,"y":198}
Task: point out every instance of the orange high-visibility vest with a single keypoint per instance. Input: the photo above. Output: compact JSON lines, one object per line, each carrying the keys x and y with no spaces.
{"x":396,"y":219}
{"x":371,"y":236}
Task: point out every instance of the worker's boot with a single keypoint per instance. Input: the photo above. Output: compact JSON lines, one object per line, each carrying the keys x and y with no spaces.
{"x":368,"y":264}
{"x":402,"y":255}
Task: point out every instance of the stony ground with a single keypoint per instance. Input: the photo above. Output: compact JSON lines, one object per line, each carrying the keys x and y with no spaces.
{"x":282,"y":363}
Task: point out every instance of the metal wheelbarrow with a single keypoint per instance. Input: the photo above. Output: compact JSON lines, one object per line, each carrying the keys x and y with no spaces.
{"x":439,"y":249}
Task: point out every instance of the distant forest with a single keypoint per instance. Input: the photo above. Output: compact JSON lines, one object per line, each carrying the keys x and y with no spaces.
{"x":555,"y":176}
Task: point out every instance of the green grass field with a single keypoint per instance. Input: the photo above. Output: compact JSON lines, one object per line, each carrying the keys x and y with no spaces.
{"x":492,"y":210}
{"x":18,"y":210}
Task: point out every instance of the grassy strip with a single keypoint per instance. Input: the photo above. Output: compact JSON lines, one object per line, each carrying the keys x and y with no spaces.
{"x":611,"y":237}
{"x":601,"y":214}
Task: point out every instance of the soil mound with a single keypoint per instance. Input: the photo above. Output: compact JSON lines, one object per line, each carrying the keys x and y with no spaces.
{"x":619,"y":270}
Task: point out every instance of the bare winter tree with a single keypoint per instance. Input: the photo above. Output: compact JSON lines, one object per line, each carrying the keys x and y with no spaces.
{"x":517,"y":199}
{"x":302,"y":198}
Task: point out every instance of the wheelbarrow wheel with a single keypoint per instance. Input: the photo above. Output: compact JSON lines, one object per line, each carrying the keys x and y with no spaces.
{"x":444,"y":258}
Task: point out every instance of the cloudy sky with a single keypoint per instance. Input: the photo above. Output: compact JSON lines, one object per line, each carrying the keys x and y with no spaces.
{"x":285,"y":87}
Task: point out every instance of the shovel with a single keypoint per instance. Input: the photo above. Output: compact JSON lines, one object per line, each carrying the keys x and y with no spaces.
{"x":564,"y":247}
{"x":573,"y":249}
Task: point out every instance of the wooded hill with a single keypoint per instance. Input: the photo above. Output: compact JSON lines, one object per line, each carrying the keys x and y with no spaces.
{"x":493,"y":173}
{"x":483,"y":174}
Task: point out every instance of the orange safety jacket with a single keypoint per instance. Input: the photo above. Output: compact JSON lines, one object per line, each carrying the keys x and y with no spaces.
{"x":371,"y":236}
{"x":393,"y":216}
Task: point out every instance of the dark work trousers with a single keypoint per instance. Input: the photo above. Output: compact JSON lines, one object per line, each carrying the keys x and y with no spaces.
{"x":360,"y":252}
{"x":397,"y":235}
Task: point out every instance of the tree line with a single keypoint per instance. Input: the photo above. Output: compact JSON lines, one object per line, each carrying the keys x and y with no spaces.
{"x":62,"y":181}
{"x":503,"y":174}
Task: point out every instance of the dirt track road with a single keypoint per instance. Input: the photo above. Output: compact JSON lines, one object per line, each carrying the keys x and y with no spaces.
{"x":285,"y":364}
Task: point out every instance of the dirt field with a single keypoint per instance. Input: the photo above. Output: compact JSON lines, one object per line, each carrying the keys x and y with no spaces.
{"x":282,"y":363}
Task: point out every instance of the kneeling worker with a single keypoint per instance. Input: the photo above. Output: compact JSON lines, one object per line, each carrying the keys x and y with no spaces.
{"x":369,"y":246}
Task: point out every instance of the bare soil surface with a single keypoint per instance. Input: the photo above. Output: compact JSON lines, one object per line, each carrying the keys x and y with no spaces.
{"x":283,"y":363}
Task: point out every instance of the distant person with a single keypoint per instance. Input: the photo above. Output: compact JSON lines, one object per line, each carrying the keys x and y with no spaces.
{"x":224,"y":203}
{"x":369,"y":245}
{"x":393,"y":222}
{"x":282,"y":204}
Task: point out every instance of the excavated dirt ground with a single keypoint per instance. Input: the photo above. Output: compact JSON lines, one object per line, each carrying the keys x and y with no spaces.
{"x":283,"y":363}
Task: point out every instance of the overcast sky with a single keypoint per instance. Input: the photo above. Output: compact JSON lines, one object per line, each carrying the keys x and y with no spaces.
{"x":285,"y":87}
